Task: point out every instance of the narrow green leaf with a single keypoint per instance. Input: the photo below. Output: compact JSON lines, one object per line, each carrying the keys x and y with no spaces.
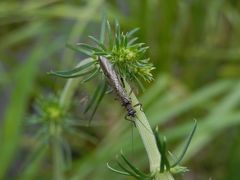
{"x":186,"y":145}
{"x":132,"y":41}
{"x":72,"y":71}
{"x":117,"y":171}
{"x":139,"y":83}
{"x":79,"y":49}
{"x":162,"y":165}
{"x":164,"y":153}
{"x":110,"y":36}
{"x":162,"y":147}
{"x":130,"y":33}
{"x":72,"y":75}
{"x":137,"y":45}
{"x":136,"y":170}
{"x":100,"y":53}
{"x":117,"y":29}
{"x":94,"y":97}
{"x":66,"y":151}
{"x":101,"y":45}
{"x":116,"y":42}
{"x":102,"y":91}
{"x":142,"y":50}
{"x":88,"y":47}
{"x":125,"y":169}
{"x":125,"y":41}
{"x":93,"y":75}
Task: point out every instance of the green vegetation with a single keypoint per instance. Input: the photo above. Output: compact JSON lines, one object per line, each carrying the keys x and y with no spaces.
{"x":193,"y":45}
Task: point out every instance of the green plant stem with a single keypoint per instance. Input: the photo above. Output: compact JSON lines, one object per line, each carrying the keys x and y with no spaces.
{"x":70,"y":88}
{"x":58,"y":164}
{"x":148,"y":139}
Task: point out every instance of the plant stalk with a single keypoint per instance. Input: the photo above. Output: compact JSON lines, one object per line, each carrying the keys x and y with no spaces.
{"x":58,"y":163}
{"x":148,"y":139}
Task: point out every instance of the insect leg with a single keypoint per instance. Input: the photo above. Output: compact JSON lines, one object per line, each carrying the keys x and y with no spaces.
{"x":140,"y":105}
{"x":109,"y":91}
{"x":129,"y":119}
{"x":122,"y":81}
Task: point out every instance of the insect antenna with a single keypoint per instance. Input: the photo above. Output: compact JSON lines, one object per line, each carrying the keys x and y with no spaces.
{"x":132,"y":134}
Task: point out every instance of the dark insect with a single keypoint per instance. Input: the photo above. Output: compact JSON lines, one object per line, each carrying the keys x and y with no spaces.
{"x":116,"y":84}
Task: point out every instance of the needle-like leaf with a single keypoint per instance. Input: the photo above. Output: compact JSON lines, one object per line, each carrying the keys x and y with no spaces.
{"x":118,"y":171}
{"x":93,"y":75}
{"x":125,"y":169}
{"x":110,"y":36}
{"x":72,"y":71}
{"x":99,"y":99}
{"x":99,"y":43}
{"x":130,"y":33}
{"x":88,"y":47}
{"x":139,"y":83}
{"x":136,"y":170}
{"x":132,"y":41}
{"x":186,"y":145}
{"x":59,"y":74}
{"x":79,"y":49}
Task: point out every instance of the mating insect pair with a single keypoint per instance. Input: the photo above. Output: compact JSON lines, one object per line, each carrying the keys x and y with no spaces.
{"x":117,"y":84}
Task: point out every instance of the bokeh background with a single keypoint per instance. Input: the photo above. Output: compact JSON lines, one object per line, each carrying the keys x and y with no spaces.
{"x":195,"y":47}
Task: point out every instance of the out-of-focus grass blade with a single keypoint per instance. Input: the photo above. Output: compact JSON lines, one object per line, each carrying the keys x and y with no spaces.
{"x":155,"y":90}
{"x":11,"y":129}
{"x":30,"y":171}
{"x":35,"y":157}
{"x":103,"y":30}
{"x":233,"y":163}
{"x":3,"y":75}
{"x":21,"y":34}
{"x":79,"y":49}
{"x":197,"y":98}
{"x":219,"y":119}
{"x":67,"y":154}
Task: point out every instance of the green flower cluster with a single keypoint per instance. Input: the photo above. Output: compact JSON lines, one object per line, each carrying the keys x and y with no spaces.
{"x":123,"y":51}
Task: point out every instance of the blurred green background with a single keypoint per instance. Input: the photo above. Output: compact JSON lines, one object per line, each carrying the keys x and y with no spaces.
{"x":193,"y":43}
